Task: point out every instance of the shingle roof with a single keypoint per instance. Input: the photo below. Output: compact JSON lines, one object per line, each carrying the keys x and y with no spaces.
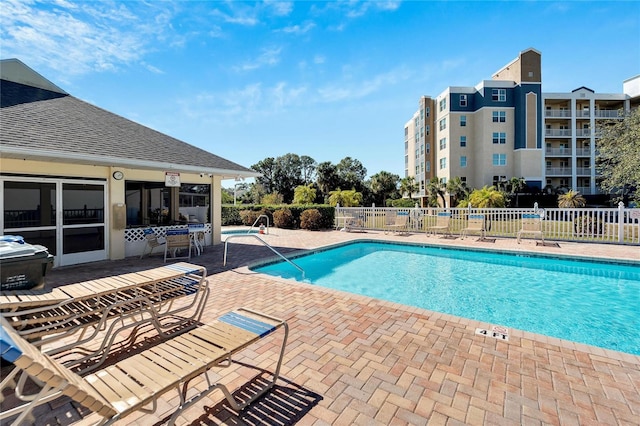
{"x":35,"y":120}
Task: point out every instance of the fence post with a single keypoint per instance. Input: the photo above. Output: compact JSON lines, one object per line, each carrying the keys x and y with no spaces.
{"x":620,"y":222}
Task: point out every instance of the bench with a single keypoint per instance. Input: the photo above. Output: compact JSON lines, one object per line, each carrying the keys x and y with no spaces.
{"x":136,"y":383}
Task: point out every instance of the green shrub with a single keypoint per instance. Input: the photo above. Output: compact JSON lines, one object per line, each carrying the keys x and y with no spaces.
{"x":248,"y":217}
{"x":311,"y":219}
{"x":231,"y":215}
{"x":283,"y":218}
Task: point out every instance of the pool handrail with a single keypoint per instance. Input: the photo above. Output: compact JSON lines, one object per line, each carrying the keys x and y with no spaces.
{"x":256,"y":221}
{"x":226,"y":242}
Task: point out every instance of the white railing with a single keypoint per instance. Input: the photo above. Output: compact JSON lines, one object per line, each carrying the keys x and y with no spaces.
{"x":558,"y":171}
{"x":557,"y":113}
{"x":557,"y":132}
{"x":558,"y":151}
{"x":609,"y":114}
{"x":604,"y":225}
{"x":135,"y":241}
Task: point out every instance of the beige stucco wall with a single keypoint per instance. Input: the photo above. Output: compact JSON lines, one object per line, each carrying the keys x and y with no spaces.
{"x":115,"y":190}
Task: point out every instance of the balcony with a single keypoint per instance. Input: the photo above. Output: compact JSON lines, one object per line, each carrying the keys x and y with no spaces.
{"x":557,"y":132}
{"x":558,"y":171}
{"x":586,"y":171}
{"x":558,"y":151}
{"x":557,"y":113}
{"x":606,"y":113}
{"x":583,"y":132}
{"x":583,"y":152}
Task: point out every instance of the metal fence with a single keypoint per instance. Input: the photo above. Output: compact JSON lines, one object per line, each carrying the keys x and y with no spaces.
{"x":602,"y":225}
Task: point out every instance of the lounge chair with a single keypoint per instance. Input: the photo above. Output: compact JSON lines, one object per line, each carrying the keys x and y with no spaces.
{"x":152,"y":240}
{"x":475,"y":223}
{"x":136,"y":383}
{"x":400,"y":224}
{"x":442,"y":224}
{"x":107,"y":306}
{"x":531,"y":225}
{"x":178,"y":239}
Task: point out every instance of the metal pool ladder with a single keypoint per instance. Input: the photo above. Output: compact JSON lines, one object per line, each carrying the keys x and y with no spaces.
{"x":226,"y":241}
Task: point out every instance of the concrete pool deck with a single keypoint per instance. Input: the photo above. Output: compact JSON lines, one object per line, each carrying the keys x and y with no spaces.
{"x":357,"y":360}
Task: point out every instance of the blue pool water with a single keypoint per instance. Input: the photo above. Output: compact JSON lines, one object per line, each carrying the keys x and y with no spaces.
{"x":588,"y":302}
{"x":239,"y":231}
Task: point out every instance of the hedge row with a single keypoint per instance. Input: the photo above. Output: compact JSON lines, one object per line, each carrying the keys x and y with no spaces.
{"x":311,"y":217}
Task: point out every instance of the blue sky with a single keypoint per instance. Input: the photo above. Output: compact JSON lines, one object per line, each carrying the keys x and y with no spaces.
{"x":250,"y":80}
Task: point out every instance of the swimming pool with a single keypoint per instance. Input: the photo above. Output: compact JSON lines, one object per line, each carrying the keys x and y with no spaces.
{"x":595,"y":303}
{"x":239,"y":231}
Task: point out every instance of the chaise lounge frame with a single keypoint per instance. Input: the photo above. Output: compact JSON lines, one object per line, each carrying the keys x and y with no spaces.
{"x":79,"y":312}
{"x":137,"y":382}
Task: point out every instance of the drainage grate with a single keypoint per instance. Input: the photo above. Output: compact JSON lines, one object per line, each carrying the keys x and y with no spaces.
{"x":497,"y":332}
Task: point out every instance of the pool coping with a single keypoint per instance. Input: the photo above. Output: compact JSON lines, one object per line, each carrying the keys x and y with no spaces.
{"x":467,"y":322}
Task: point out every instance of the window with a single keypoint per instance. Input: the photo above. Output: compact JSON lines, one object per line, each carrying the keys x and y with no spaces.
{"x":443,"y":181}
{"x":499,"y":95}
{"x":443,"y":123}
{"x":427,"y":129}
{"x":443,"y":104}
{"x":463,"y":161}
{"x":427,"y":166}
{"x":427,"y":111}
{"x":499,"y":138}
{"x":428,"y":147}
{"x":443,"y":163}
{"x":463,"y":121}
{"x":463,"y":100}
{"x":499,"y":159}
{"x":463,"y":141}
{"x":443,"y":143}
{"x":463,"y":179}
{"x":499,"y":116}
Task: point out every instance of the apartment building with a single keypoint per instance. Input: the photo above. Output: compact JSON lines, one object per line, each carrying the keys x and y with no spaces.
{"x":508,"y":127}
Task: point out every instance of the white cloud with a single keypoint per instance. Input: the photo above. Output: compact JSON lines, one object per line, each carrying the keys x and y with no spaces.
{"x":346,"y":91}
{"x":319,"y":59}
{"x":76,"y":38}
{"x":268,"y":57}
{"x":298,"y":30}
{"x":279,"y":8}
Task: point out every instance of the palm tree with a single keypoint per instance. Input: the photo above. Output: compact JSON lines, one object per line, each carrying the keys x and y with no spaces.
{"x":486,"y":197}
{"x":457,"y":189}
{"x":571,"y":199}
{"x":517,"y":184}
{"x":436,"y":189}
{"x":382,"y":184}
{"x":408,"y":185}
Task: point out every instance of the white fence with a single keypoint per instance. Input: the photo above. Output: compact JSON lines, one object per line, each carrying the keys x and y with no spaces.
{"x":603,"y":225}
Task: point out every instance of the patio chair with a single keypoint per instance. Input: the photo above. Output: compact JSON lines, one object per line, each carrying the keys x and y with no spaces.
{"x":196,"y":231}
{"x":475,"y":223}
{"x":442,"y":224}
{"x":137,"y":382}
{"x":152,"y":240}
{"x":400,"y":224}
{"x":531,"y":225}
{"x":178,"y":239}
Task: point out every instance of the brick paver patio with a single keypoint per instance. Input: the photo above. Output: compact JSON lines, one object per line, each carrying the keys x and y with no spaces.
{"x":356,"y":360}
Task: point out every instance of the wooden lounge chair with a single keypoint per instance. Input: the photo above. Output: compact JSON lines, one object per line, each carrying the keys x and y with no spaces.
{"x":152,"y":240}
{"x":531,"y":225}
{"x":475,"y":223}
{"x":442,"y":224}
{"x":136,"y":383}
{"x":400,"y":224}
{"x":178,"y":239}
{"x":79,"y":312}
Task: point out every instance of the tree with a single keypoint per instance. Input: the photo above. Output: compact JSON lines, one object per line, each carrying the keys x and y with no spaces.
{"x":619,"y":156}
{"x":571,"y":199}
{"x":327,"y":178}
{"x":351,"y":174}
{"x":268,"y":169}
{"x":308,"y":169}
{"x":272,"y":198}
{"x":304,"y":194}
{"x":435,"y":188}
{"x":487,"y":197}
{"x":516,"y":185}
{"x":288,"y":175}
{"x":382,"y":185}
{"x":350,"y":198}
{"x":408,"y":185}
{"x":457,"y":189}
